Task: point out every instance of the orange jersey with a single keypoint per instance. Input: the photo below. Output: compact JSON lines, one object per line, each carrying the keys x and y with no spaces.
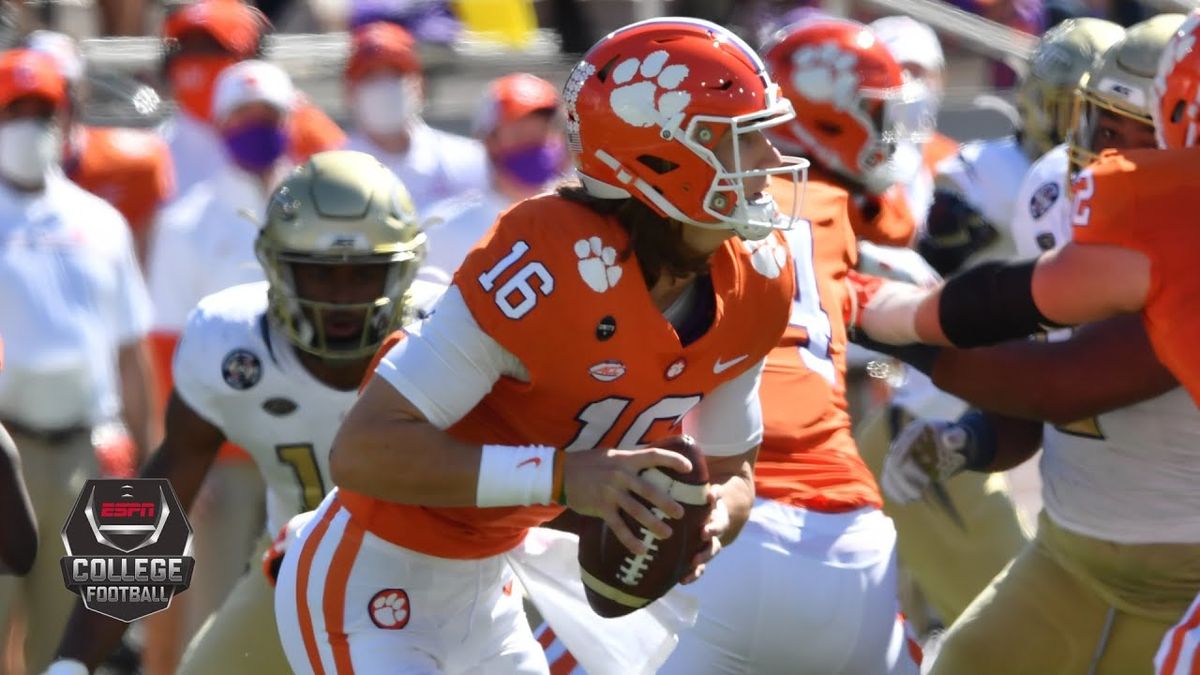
{"x":937,"y":148}
{"x":312,"y":131}
{"x":605,"y":368}
{"x":885,"y":220}
{"x":1144,"y":200}
{"x":808,"y":457}
{"x":128,"y":168}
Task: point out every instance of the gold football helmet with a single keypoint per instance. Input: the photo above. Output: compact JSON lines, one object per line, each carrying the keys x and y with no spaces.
{"x":339,"y":208}
{"x":1120,"y":83}
{"x":1045,"y":96}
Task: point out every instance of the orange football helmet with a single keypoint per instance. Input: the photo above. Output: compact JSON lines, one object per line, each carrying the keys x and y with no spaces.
{"x":853,"y":103}
{"x":649,"y":104}
{"x":1176,"y":106}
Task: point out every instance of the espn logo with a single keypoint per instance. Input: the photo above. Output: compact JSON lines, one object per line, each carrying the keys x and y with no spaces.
{"x":126,"y":509}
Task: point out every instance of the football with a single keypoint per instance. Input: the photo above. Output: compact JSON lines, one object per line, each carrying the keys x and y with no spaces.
{"x":616,"y":580}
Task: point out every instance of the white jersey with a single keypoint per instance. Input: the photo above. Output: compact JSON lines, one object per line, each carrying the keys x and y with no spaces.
{"x":1042,"y":221}
{"x":1130,"y":475}
{"x":243,"y":377}
{"x":455,"y":226}
{"x":437,"y":166}
{"x":204,"y":242}
{"x":987,"y":174}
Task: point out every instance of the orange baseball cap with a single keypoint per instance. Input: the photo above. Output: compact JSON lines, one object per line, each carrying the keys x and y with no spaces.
{"x":26,"y":72}
{"x":382,"y":42}
{"x":236,"y":26}
{"x":512,"y":97}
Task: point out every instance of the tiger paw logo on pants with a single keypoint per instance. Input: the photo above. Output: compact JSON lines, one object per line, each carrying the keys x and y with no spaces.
{"x":127,"y":544}
{"x":389,"y":609}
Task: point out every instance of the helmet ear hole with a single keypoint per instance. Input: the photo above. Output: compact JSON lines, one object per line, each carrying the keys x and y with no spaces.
{"x":1177,"y":111}
{"x":658,"y":165}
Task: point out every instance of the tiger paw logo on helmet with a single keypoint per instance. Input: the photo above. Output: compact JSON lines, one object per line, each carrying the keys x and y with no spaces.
{"x":826,"y":73}
{"x":639,"y":103}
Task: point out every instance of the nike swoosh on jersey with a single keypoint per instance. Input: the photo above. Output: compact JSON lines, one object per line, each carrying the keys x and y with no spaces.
{"x":536,"y":461}
{"x":722,"y":366}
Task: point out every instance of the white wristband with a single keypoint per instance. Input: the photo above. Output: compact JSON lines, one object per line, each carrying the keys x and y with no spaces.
{"x":67,"y":667}
{"x":515,"y":475}
{"x":890,"y":316}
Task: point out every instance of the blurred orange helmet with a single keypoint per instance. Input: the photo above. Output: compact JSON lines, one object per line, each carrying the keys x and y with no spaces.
{"x":1176,"y":105}
{"x":28,"y":72}
{"x":649,"y":104}
{"x":382,"y":43}
{"x":237,"y":26}
{"x":853,"y":105}
{"x":512,"y":97}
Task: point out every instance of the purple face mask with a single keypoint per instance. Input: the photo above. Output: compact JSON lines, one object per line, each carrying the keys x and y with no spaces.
{"x":534,"y":165}
{"x":255,"y":146}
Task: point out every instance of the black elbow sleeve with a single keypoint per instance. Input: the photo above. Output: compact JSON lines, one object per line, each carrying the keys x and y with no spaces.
{"x":989,"y":303}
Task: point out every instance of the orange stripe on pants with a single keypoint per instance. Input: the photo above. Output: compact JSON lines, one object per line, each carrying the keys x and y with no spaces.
{"x":1181,"y":632}
{"x":334,"y":601}
{"x":303,"y":570}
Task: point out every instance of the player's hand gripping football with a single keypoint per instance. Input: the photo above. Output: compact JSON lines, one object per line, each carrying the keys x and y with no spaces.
{"x":924,"y":454}
{"x":603,"y":483}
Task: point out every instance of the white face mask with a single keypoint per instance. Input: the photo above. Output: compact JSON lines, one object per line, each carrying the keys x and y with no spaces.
{"x":387,"y":105}
{"x":28,"y":147}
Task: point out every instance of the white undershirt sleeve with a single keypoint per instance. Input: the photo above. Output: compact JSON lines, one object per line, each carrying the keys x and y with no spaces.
{"x":447,"y":363}
{"x":729,"y":420}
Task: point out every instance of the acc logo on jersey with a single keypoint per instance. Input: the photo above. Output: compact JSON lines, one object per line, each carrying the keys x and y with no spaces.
{"x":389,"y":609}
{"x":241,"y":369}
{"x":1043,"y":198}
{"x":607,"y":371}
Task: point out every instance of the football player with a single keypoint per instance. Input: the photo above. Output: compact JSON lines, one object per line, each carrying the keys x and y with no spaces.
{"x":972,"y":211}
{"x":274,"y":366}
{"x":821,"y":597}
{"x":1112,"y":110}
{"x":1133,"y":240}
{"x":1118,"y":487}
{"x":587,"y":326}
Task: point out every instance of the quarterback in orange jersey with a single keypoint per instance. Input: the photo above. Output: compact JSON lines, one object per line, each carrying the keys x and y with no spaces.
{"x":1134,"y":240}
{"x":586,"y":326}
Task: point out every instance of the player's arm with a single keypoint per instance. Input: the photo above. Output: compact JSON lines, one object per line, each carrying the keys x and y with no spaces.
{"x":138,"y":387}
{"x":393,"y":444}
{"x":929,"y":450}
{"x":727,"y":425}
{"x":1102,"y":367}
{"x":187,"y":451}
{"x":998,"y":301}
{"x":19,"y":536}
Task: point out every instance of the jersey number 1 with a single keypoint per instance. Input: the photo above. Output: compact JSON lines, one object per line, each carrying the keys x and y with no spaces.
{"x":303,"y":460}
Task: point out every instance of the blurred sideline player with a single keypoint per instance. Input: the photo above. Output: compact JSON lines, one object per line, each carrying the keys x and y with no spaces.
{"x":521,"y":126}
{"x":129,"y":168}
{"x":385,"y":92}
{"x":200,"y":40}
{"x":274,"y":366}
{"x":972,"y":209}
{"x":1117,"y":554}
{"x":612,"y":351}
